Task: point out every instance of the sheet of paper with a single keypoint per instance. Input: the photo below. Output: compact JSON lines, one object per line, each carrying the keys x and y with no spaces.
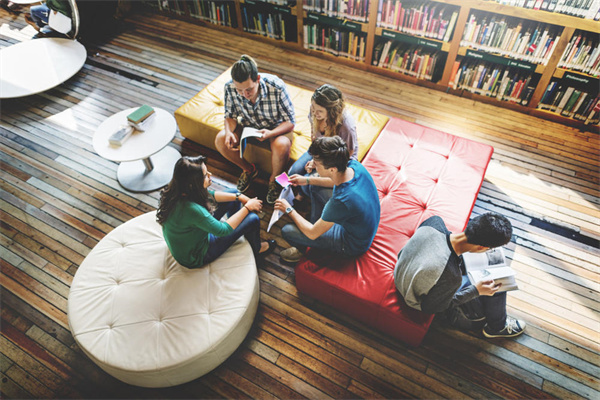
{"x":283,"y":180}
{"x":288,"y":194}
{"x":247,"y":133}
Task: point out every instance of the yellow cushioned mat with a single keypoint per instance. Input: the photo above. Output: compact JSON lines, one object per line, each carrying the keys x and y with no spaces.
{"x":201,"y":118}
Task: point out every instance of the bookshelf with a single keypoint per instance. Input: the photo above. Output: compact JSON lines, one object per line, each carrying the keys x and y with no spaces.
{"x":442,"y":44}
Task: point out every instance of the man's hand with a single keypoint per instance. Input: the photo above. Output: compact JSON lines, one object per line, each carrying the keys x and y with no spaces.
{"x":281,"y":205}
{"x":266,"y":134}
{"x":231,"y":141}
{"x":298,"y":180}
{"x":487,"y":288}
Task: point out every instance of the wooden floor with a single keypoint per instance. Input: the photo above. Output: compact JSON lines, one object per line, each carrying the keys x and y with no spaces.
{"x":59,"y":199}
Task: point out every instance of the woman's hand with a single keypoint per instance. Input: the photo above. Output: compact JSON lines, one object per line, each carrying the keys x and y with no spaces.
{"x":254,"y":204}
{"x":310,"y":166}
{"x":487,"y":288}
{"x":281,"y":205}
{"x":298,"y":180}
{"x":243,"y":199}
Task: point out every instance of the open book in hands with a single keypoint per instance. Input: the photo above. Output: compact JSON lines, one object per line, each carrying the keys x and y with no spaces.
{"x":247,"y":132}
{"x":490,"y":265}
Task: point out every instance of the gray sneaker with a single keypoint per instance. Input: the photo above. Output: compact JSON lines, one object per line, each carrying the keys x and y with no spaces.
{"x":291,"y":255}
{"x":245,"y":179}
{"x":273,"y":192}
{"x":514,"y":327}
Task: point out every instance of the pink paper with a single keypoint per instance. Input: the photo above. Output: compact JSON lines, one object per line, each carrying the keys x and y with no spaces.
{"x":283,"y":180}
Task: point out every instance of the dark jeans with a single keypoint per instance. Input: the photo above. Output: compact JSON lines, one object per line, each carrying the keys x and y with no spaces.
{"x":39,"y":14}
{"x":249,"y":228}
{"x":318,"y":195}
{"x":493,"y":308}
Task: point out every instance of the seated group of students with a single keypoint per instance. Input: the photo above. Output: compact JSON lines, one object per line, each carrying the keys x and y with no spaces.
{"x":345,"y":210}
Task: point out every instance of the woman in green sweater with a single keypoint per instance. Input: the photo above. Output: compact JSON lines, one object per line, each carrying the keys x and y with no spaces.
{"x":190,"y":216}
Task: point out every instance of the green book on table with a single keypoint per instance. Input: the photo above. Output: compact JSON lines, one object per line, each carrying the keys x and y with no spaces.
{"x":140,"y":114}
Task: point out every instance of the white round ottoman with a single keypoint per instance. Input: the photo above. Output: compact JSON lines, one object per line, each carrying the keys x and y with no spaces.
{"x":148,"y":321}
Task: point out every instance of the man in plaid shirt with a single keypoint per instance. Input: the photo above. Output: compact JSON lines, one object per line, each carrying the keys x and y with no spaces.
{"x":261,"y":102}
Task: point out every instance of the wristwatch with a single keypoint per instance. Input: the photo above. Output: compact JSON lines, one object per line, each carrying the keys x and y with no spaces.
{"x":237,"y":196}
{"x":289,"y":210}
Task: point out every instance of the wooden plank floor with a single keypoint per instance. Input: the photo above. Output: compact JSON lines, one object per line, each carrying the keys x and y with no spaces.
{"x":59,"y":198}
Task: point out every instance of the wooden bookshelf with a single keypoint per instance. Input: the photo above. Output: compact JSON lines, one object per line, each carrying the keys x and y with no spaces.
{"x":453,"y":48}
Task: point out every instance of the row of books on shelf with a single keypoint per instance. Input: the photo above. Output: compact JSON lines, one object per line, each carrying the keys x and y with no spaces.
{"x":335,"y":41}
{"x":173,"y":6}
{"x":266,"y":24}
{"x":487,"y":79}
{"x":216,"y":12}
{"x":582,"y":54}
{"x":357,"y":10}
{"x":572,"y":101}
{"x":580,"y":8}
{"x":429,"y":19}
{"x":278,"y":2}
{"x":523,"y":40}
{"x":408,"y":59}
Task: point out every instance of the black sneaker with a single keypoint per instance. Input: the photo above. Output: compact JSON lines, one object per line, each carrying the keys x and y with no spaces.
{"x":245,"y":179}
{"x":514,"y":327}
{"x":273,"y":192}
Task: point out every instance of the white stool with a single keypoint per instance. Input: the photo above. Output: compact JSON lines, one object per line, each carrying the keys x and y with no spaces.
{"x":148,"y":321}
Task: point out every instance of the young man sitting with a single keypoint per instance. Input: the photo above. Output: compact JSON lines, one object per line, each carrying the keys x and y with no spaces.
{"x":348,"y":220}
{"x":430,"y":272}
{"x":261,"y":102}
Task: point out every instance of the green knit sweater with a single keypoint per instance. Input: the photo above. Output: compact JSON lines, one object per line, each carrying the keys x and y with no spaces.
{"x":186,"y":232}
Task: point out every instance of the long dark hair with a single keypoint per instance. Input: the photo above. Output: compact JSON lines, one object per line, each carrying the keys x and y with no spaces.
{"x":330,"y":98}
{"x":187,"y":183}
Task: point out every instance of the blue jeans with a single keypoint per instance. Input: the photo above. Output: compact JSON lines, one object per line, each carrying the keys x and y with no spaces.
{"x":331,"y":241}
{"x":249,"y":228}
{"x":318,"y":195}
{"x":39,"y":14}
{"x":493,"y":308}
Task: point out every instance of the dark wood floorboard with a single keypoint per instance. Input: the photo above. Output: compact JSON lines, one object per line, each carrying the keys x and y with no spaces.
{"x":59,"y":198}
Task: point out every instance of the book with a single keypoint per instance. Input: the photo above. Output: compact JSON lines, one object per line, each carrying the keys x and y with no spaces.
{"x":246,"y":134}
{"x":141,"y":126}
{"x":120,"y":135}
{"x":490,"y":265}
{"x":140,"y":114}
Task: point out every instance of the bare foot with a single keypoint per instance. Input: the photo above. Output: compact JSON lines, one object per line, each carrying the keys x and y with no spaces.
{"x":264,"y":246}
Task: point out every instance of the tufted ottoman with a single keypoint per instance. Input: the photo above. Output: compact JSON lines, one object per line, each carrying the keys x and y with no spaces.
{"x":148,"y":321}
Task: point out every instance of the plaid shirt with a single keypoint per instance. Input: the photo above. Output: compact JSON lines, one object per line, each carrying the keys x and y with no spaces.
{"x":273,"y":105}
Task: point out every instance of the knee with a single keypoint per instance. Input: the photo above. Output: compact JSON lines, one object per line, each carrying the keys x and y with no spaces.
{"x":281,"y":145}
{"x":288,"y":231}
{"x":220,"y":140}
{"x":253,"y":219}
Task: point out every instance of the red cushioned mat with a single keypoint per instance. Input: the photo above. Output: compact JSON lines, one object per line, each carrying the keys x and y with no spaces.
{"x":419,"y":172}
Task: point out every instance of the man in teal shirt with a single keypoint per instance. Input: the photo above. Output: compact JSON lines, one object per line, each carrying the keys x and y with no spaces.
{"x":349,"y":219}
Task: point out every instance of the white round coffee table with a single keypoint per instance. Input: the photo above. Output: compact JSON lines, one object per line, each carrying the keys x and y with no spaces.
{"x":146,"y":160}
{"x":37,"y":65}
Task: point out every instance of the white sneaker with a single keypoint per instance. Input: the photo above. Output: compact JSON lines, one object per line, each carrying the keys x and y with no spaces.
{"x":291,"y":255}
{"x":514,"y":327}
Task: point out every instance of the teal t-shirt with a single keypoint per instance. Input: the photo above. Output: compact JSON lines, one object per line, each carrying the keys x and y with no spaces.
{"x":186,"y":232}
{"x":355,"y":206}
